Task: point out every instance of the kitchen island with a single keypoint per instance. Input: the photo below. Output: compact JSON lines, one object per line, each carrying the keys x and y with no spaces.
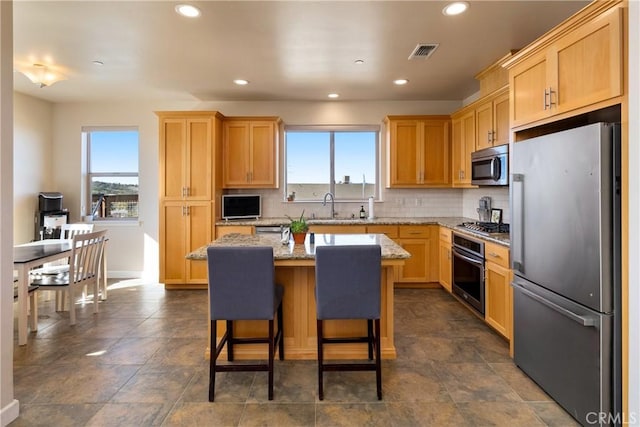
{"x":295,"y":270}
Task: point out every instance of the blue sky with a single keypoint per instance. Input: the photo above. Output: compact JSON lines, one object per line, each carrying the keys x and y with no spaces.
{"x":114,"y":151}
{"x":308,"y":156}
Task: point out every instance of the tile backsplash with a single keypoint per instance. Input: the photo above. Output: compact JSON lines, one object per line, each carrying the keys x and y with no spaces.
{"x":395,"y":203}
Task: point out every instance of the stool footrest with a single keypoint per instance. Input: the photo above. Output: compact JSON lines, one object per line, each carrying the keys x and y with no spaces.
{"x":241,"y":367}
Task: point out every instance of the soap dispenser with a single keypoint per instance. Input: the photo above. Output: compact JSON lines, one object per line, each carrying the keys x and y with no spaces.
{"x":363,"y":214}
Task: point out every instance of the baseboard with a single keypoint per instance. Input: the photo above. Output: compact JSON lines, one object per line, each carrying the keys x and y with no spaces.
{"x":9,"y":413}
{"x":122,"y":274}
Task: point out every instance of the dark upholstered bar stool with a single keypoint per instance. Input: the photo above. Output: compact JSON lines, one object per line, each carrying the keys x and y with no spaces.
{"x":242,"y":287}
{"x":348,"y":287}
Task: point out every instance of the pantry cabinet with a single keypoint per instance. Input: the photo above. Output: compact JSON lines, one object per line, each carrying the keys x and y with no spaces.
{"x":498,"y":294}
{"x":578,"y":65}
{"x":418,"y":151}
{"x":250,"y":153}
{"x":444,"y":258}
{"x":184,"y":227}
{"x":190,"y":185}
{"x":462,"y":145}
{"x":492,"y":121}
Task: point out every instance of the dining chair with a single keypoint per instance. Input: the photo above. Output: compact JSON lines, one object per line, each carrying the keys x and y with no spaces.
{"x":84,"y":270}
{"x":242,"y":287}
{"x":348,"y":287}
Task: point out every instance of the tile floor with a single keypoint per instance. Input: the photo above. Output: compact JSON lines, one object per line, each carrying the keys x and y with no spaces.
{"x":140,"y":362}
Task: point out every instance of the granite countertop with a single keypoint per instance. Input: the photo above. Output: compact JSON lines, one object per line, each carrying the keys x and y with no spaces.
{"x":449,"y":222}
{"x":390,"y":249}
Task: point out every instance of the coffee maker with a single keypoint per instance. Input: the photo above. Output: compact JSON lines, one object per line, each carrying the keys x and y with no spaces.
{"x":484,"y":209}
{"x":50,"y":216}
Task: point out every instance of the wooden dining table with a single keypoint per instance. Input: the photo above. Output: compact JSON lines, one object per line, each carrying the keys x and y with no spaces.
{"x":26,"y":257}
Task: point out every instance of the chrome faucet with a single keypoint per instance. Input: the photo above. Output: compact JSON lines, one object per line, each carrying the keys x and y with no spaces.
{"x":324,"y":203}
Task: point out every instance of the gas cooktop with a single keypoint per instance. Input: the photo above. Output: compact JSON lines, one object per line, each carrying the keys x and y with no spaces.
{"x":485,"y":228}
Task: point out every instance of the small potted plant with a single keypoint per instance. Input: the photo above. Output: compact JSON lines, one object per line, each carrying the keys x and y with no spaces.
{"x":299,"y":228}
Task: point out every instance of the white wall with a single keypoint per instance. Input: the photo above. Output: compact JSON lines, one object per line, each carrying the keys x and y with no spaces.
{"x":32,"y":153}
{"x":9,"y":406}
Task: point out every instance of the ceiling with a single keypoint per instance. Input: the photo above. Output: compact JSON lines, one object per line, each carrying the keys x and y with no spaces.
{"x":288,"y":50}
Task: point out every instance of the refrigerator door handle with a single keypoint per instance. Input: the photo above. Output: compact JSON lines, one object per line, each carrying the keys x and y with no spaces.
{"x":517,"y":223}
{"x":589,"y":321}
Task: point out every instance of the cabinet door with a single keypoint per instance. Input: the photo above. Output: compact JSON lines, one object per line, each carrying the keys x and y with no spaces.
{"x":404,"y":162}
{"x":444,"y":270}
{"x":415,"y":269}
{"x":235,"y":154}
{"x":229,"y":229}
{"x":435,"y":152}
{"x":501,"y":120}
{"x":338,"y":229}
{"x":263,"y":154}
{"x":173,"y":247}
{"x":199,"y":146}
{"x":588,"y":63}
{"x":199,"y":228}
{"x":173,"y":159}
{"x":484,"y":125}
{"x":527,"y":85}
{"x":463,"y":141}
{"x":498,"y":298}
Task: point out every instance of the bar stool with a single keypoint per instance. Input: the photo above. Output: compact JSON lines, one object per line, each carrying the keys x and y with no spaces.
{"x":242,"y":287}
{"x":348,"y":287}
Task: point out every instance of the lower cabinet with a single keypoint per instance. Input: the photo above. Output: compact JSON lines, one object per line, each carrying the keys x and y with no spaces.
{"x":444,"y":258}
{"x":185,"y":226}
{"x":421,"y":242}
{"x":229,"y":229}
{"x":498,"y":294}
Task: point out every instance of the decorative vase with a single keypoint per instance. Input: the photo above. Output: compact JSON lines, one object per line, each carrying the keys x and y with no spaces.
{"x":298,"y":238}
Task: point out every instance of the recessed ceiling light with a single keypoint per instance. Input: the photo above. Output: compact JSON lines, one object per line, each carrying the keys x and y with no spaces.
{"x":400,"y":82}
{"x":333,"y":95}
{"x":359,"y":61}
{"x":241,"y":82}
{"x":455,"y":8}
{"x":188,"y":10}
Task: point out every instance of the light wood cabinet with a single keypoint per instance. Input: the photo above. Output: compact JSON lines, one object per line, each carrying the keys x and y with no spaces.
{"x":418,"y":151}
{"x":184,"y":227}
{"x":421,"y":242}
{"x":462,"y":145}
{"x":338,"y":229}
{"x":574,"y":67}
{"x":189,"y":184}
{"x":391,"y":231}
{"x":250,"y":153}
{"x":230,"y":229}
{"x":498,"y":293}
{"x":186,"y":146}
{"x":492,"y":121}
{"x":444,"y":258}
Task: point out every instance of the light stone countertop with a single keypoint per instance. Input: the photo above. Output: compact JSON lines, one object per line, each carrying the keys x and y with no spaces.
{"x":390,"y":249}
{"x":449,"y":222}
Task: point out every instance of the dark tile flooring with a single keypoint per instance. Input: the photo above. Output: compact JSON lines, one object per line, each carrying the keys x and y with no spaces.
{"x":140,"y":362}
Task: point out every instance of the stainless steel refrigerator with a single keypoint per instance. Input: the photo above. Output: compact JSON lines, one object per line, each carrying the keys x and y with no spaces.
{"x":565,"y":247}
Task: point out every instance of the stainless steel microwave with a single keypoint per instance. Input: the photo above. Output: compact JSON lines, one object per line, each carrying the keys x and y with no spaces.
{"x":490,"y":166}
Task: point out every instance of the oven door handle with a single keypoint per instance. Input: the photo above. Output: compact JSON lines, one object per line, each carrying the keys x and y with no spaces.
{"x":468,"y":259}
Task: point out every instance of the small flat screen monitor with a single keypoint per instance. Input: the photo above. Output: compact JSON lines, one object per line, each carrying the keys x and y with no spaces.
{"x":238,"y":206}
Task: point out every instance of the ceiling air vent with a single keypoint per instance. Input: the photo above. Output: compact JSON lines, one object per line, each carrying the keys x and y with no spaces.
{"x":423,"y":50}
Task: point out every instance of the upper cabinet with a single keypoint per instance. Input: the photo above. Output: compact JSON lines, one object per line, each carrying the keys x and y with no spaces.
{"x":186,"y":155}
{"x":418,"y":151}
{"x":463,"y":128}
{"x":250,"y":152}
{"x":492,"y":121}
{"x":576,"y":65}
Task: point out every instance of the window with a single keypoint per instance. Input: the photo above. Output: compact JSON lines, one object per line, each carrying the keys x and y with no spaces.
{"x":112,"y":171}
{"x":340,"y":160}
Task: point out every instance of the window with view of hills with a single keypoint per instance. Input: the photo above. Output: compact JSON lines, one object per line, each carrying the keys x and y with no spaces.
{"x":112,"y":172}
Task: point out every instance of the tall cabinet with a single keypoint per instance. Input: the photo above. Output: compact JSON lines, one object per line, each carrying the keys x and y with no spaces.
{"x":190,"y":184}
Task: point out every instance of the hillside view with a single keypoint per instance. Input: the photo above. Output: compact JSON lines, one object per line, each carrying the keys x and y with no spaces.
{"x":100,"y":187}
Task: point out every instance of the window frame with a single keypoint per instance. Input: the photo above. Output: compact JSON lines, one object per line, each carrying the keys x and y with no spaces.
{"x":332,"y":129}
{"x":86,"y":134}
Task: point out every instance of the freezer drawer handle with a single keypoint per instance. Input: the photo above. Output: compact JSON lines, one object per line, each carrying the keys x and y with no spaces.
{"x":583,"y":320}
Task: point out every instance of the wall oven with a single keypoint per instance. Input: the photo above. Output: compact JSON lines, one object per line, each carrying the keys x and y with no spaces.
{"x":468,"y":270}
